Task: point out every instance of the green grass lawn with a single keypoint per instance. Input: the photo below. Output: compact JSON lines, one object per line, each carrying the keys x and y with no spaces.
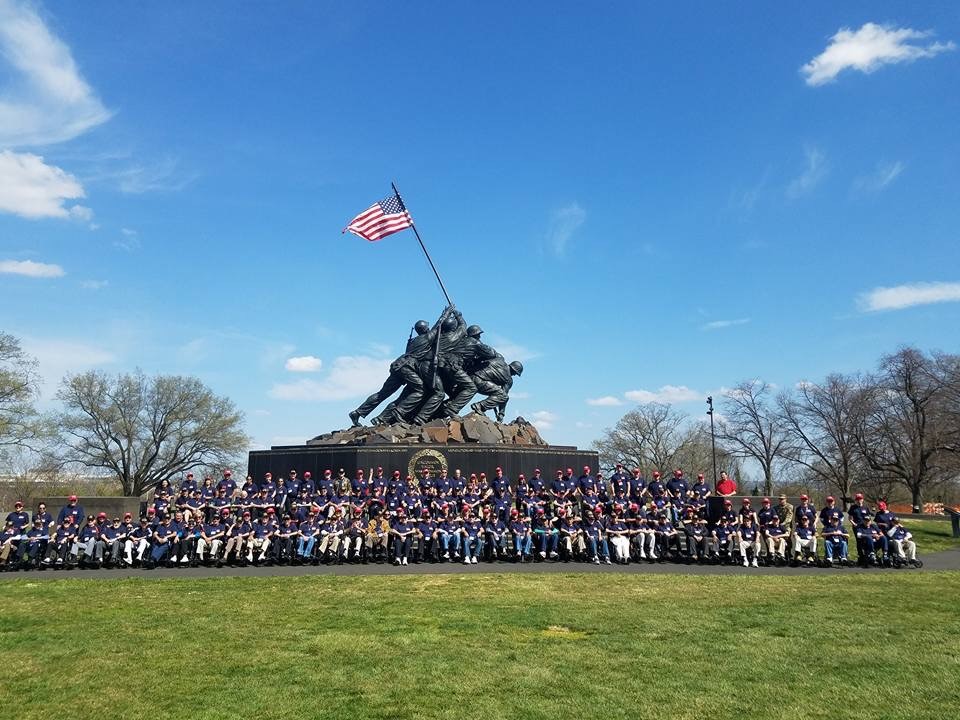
{"x":884,"y":645}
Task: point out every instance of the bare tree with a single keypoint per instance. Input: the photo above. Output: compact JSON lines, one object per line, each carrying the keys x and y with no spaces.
{"x":145,"y":430}
{"x":20,"y":424}
{"x":819,"y":421}
{"x":897,"y":433}
{"x":751,"y":428}
{"x":647,"y":437}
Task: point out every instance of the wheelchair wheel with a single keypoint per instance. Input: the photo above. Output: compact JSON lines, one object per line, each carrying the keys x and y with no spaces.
{"x":918,"y":564}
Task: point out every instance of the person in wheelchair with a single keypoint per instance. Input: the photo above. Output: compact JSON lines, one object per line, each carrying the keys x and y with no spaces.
{"x":835,"y":542}
{"x":867,"y":535}
{"x":902,"y":542}
{"x":804,"y":541}
{"x":776,"y":536}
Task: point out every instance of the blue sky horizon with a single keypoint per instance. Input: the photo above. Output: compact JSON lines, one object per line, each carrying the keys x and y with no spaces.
{"x":644,"y":203}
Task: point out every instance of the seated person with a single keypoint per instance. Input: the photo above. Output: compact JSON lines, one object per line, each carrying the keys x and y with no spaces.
{"x":804,"y":540}
{"x":902,"y":541}
{"x":835,"y":540}
{"x":776,"y":539}
{"x":749,"y":539}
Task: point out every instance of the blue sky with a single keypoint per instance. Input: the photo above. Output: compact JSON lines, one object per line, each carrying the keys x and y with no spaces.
{"x":639,"y":202}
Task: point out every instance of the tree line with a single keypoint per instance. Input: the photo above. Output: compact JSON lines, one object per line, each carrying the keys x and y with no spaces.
{"x":135,"y":428}
{"x":892,"y":431}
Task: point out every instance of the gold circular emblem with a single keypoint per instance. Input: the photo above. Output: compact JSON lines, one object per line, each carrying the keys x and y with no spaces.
{"x":427,"y":459}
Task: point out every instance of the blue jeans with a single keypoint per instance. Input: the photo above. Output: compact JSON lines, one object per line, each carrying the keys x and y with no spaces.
{"x":451,"y":542}
{"x":523,"y":544}
{"x":546,"y":540}
{"x":475,"y":542}
{"x":836,"y":546}
{"x":593,"y":546}
{"x":305,"y":547}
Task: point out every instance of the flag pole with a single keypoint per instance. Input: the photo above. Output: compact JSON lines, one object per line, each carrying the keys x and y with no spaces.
{"x":422,"y":246}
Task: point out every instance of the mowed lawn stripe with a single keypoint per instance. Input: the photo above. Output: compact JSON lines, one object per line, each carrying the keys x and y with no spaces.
{"x":484,"y":646}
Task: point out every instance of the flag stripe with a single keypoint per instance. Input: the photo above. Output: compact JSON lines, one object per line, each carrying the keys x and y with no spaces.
{"x":381,"y":219}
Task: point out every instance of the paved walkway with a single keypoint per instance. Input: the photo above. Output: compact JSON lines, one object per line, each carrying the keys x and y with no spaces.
{"x":946,"y":560}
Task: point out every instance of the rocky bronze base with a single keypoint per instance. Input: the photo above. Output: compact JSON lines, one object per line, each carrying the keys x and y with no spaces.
{"x":472,"y":444}
{"x":474,"y":428}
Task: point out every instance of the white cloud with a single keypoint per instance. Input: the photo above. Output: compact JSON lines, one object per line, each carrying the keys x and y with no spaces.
{"x":161,"y":176}
{"x":32,"y":189}
{"x":50,"y":102}
{"x":605,"y":401}
{"x":814,"y":172}
{"x":904,"y":296}
{"x":884,"y":174}
{"x":583,"y":425}
{"x":563,"y":224}
{"x":130,"y":240}
{"x":718,"y":324}
{"x":544,"y":419}
{"x":351,"y":376}
{"x":519,"y":395}
{"x":510,"y":349}
{"x":29,"y":268}
{"x":94,"y":284}
{"x":668,"y":395}
{"x":305,"y":363}
{"x":288,"y":440}
{"x":868,"y":49}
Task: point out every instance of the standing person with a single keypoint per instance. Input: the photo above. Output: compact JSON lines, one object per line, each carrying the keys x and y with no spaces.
{"x":805,"y":509}
{"x":19,"y":518}
{"x":700,"y":489}
{"x":620,"y":481}
{"x":784,"y":511}
{"x":726,"y":486}
{"x":72,"y":510}
{"x":41,"y":513}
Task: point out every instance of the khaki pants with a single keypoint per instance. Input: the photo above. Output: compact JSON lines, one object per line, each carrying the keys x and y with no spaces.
{"x":234,"y":544}
{"x":776,"y":545}
{"x":747,"y":545}
{"x":905,"y":548}
{"x":809,"y":543}
{"x":262,"y":545}
{"x":331,"y":542}
{"x":374,"y":542}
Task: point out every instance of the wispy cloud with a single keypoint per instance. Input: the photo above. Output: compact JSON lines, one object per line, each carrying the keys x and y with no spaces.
{"x":29,"y":268}
{"x":161,"y":176}
{"x":899,"y":297}
{"x":304,"y":363}
{"x":350,"y":376}
{"x":130,"y":240}
{"x":94,"y":284}
{"x":544,"y":419}
{"x":605,"y":401}
{"x":815,"y":170}
{"x":884,"y":174}
{"x":32,"y":189}
{"x":868,"y":49}
{"x":509,"y":349}
{"x":51,"y":102}
{"x":667,"y":394}
{"x":563,"y":224}
{"x":719,"y":324}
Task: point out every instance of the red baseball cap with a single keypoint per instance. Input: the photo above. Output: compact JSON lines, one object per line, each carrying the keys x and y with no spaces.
{"x":227,"y":473}
{"x":699,"y":476}
{"x":396,"y":473}
{"x":858,"y":496}
{"x":307,"y":474}
{"x":766,"y":501}
{"x":656,"y":473}
{"x":72,"y":498}
{"x":804,"y":497}
{"x":830,"y":498}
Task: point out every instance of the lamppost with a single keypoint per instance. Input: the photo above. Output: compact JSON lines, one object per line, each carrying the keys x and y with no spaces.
{"x":713,"y":439}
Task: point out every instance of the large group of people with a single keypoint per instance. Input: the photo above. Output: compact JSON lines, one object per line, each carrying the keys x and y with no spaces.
{"x":454,"y":518}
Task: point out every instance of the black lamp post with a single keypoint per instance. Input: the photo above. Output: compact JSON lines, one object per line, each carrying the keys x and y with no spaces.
{"x":713,"y":439}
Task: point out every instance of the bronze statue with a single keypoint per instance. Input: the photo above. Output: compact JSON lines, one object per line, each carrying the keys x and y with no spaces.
{"x":441,"y":370}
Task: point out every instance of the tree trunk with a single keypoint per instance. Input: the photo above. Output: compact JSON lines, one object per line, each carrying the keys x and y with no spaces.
{"x":917,"y":499}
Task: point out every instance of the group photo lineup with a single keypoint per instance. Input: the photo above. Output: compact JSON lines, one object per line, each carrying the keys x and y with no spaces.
{"x":516,"y":359}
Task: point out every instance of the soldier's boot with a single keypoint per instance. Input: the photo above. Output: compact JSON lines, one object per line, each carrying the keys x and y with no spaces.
{"x":354,"y":418}
{"x":477,"y":408}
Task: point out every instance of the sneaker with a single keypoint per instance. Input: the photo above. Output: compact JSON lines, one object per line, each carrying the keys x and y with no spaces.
{"x":543,"y":555}
{"x":466,"y":561}
{"x":396,"y":561}
{"x":606,"y":560}
{"x":746,"y":563}
{"x":595,"y":560}
{"x":446,"y":556}
{"x":403,"y":562}
{"x":474,"y":559}
{"x":754,"y":563}
{"x":554,"y":555}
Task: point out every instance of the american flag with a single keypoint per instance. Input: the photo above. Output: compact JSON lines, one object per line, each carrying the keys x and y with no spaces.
{"x":381,"y":219}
